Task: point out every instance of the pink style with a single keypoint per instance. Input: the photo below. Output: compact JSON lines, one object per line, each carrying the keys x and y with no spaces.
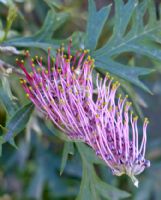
{"x":86,"y":107}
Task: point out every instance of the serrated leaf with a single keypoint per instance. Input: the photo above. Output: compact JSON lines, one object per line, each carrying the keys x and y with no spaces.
{"x":1,"y":143}
{"x":84,"y":192}
{"x":87,"y":187}
{"x":35,"y":189}
{"x":144,"y":190}
{"x":78,"y":39}
{"x":95,"y":24}
{"x":42,"y":39}
{"x":5,"y":85}
{"x":91,"y":186}
{"x":128,"y":73}
{"x":130,"y":34}
{"x":135,"y":98}
{"x":110,"y":192}
{"x":52,"y":22}
{"x":68,"y":149}
{"x":89,"y":154}
{"x":123,"y":13}
{"x":5,"y":99}
{"x":57,"y":132}
{"x":12,"y":14}
{"x":55,"y":3}
{"x":0,"y":149}
{"x":18,"y":122}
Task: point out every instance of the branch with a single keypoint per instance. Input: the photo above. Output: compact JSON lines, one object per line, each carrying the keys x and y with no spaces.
{"x":8,"y":69}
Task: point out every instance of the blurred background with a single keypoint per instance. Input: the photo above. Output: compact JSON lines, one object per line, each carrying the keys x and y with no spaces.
{"x":32,"y":171}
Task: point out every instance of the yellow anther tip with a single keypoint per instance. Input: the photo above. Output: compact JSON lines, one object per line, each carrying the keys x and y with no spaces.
{"x":146,"y":120}
{"x":85,"y":51}
{"x":67,"y":60}
{"x":135,"y":118}
{"x":27,"y":51}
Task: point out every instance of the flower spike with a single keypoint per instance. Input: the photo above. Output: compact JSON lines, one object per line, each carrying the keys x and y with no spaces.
{"x":66,"y":93}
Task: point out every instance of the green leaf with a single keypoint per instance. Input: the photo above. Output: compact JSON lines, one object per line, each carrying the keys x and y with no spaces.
{"x":145,"y":189}
{"x":42,"y":39}
{"x":52,"y":22}
{"x":87,"y":190}
{"x":0,"y":149}
{"x":130,"y":34}
{"x":7,"y":102}
{"x":3,"y":130}
{"x":68,"y":149}
{"x":12,"y":14}
{"x":55,"y":131}
{"x":18,"y":122}
{"x":110,"y":192}
{"x":91,"y":186}
{"x":5,"y":86}
{"x":55,"y":3}
{"x":123,"y":13}
{"x":126,"y":72}
{"x":134,"y":97}
{"x":35,"y":189}
{"x":1,"y":142}
{"x":95,"y":24}
{"x":90,"y":155}
{"x":87,"y":187}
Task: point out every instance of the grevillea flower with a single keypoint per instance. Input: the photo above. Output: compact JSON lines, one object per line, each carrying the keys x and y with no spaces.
{"x":86,"y":108}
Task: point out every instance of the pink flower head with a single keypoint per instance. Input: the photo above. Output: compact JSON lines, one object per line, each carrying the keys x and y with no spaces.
{"x":85,"y":111}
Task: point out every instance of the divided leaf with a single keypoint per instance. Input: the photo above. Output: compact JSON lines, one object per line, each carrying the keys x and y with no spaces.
{"x":91,"y":186}
{"x":18,"y":122}
{"x":130,"y":34}
{"x":68,"y":149}
{"x":7,"y":102}
{"x":95,"y":24}
{"x":43,"y":38}
{"x":129,"y":73}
